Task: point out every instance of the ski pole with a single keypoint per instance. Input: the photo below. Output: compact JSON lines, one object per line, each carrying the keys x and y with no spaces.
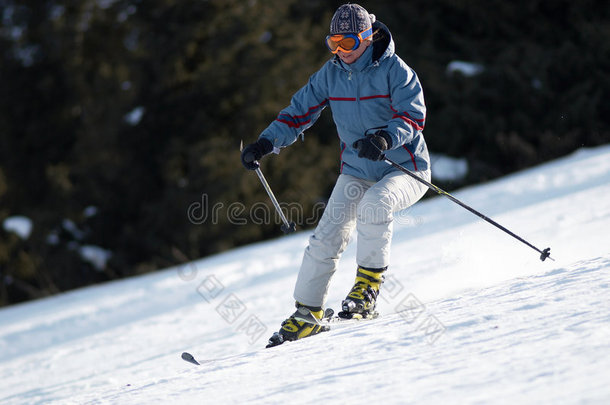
{"x":543,"y":253}
{"x":287,"y":227}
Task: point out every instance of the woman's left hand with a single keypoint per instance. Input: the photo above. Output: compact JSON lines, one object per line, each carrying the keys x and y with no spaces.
{"x":372,"y":146}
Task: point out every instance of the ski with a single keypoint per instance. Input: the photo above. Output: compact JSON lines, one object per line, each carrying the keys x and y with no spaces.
{"x":277,"y":338}
{"x":328,"y":321}
{"x":341,"y":317}
{"x":352,"y":316}
{"x":189,"y":357}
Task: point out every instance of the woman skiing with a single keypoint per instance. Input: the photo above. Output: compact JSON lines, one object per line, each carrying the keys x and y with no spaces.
{"x":378,"y":107}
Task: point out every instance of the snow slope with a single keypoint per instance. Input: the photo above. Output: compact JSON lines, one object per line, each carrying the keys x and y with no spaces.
{"x":469,"y":315}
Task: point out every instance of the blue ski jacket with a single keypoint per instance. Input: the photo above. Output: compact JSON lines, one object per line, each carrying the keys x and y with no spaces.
{"x":377,"y":91}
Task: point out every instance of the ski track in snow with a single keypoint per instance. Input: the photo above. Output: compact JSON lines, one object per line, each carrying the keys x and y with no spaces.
{"x":469,"y":315}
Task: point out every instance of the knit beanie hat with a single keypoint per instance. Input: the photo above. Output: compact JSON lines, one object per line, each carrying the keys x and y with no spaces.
{"x":351,"y":19}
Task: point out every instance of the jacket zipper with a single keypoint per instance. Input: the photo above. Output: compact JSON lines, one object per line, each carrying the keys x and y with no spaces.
{"x":359,"y":105}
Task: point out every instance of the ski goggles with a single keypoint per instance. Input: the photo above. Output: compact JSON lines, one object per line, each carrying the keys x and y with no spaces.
{"x":347,"y":42}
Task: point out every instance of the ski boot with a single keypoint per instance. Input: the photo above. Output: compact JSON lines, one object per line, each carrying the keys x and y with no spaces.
{"x":303,"y":323}
{"x":361,"y":301}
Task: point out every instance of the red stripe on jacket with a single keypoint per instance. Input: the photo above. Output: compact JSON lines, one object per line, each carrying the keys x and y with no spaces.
{"x":408,"y":119}
{"x":376,"y":96}
{"x":342,"y":98}
{"x":361,"y":98}
{"x":412,"y":157}
{"x":296,"y":117}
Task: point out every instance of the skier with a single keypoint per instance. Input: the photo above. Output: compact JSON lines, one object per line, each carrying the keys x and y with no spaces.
{"x":378,"y":107}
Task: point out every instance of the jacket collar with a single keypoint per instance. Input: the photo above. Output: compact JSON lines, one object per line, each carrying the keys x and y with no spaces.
{"x":383,"y":44}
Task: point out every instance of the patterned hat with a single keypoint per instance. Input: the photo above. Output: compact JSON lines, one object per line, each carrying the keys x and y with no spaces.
{"x":351,"y":19}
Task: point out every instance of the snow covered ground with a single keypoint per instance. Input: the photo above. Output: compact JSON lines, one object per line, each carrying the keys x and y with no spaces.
{"x":469,"y":315}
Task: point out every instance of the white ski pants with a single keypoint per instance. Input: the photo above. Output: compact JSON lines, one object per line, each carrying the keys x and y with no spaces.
{"x":368,"y":206}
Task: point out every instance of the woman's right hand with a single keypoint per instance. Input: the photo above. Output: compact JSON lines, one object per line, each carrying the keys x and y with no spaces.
{"x":252,"y":153}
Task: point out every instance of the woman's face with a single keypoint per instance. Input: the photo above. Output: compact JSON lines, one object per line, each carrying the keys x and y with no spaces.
{"x":353,"y":56}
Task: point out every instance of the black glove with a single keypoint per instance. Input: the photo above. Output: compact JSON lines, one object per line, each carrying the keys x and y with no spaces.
{"x":373,"y":146}
{"x":252,"y":153}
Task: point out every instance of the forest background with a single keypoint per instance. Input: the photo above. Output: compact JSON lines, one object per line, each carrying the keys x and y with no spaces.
{"x":121,"y":120}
